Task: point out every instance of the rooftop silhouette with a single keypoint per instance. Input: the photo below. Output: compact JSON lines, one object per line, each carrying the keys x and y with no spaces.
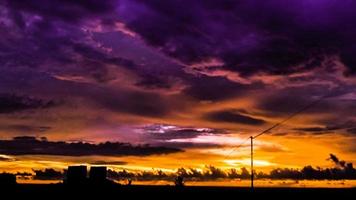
{"x":76,"y":175}
{"x":7,"y":179}
{"x":98,"y":175}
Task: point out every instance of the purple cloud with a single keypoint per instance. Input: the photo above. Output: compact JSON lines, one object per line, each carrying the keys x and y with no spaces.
{"x":27,"y":145}
{"x":233,"y":116}
{"x":148,"y":61}
{"x":274,"y":37}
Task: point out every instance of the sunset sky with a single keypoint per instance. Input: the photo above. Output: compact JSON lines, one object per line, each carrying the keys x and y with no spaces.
{"x":195,"y":77}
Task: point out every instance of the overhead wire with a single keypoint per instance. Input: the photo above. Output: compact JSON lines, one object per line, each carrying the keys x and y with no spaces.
{"x":279,"y":123}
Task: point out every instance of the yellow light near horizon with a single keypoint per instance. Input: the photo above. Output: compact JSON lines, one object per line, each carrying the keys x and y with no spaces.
{"x":247,"y":162}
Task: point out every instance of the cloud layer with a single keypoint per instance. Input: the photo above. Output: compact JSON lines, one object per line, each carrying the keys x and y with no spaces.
{"x":31,"y":146}
{"x":177,"y":73}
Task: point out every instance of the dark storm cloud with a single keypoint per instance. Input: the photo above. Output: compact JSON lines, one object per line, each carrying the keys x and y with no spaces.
{"x":54,"y":39}
{"x":51,"y":36}
{"x":176,"y":134}
{"x":291,"y":99}
{"x":60,"y":54}
{"x":10,"y":103}
{"x":276,"y":37}
{"x":134,"y":102}
{"x":249,"y":37}
{"x":31,"y":146}
{"x":94,"y":62}
{"x":232,"y":116}
{"x":315,"y":129}
{"x":152,"y":82}
{"x":336,"y":112}
{"x":343,"y":125}
{"x":24,"y":128}
{"x":71,"y":11}
{"x":53,"y":42}
{"x":189,"y":145}
{"x":117,"y":100}
{"x":217,"y":88}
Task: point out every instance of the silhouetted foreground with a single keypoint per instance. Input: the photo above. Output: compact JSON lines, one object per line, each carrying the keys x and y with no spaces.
{"x":169,"y":192}
{"x":81,"y":184}
{"x":7,"y":179}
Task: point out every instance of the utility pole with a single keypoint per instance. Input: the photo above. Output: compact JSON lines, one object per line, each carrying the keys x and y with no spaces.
{"x":252,"y":188}
{"x":276,"y":125}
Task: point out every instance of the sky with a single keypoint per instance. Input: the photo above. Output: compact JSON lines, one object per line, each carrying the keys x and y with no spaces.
{"x":176,"y":83}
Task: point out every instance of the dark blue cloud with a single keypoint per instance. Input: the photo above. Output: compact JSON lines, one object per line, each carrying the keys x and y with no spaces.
{"x":32,"y":146}
{"x":10,"y":103}
{"x":233,"y":116}
{"x":274,"y":37}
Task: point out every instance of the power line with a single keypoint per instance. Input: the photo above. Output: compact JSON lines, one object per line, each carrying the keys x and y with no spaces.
{"x":291,"y":116}
{"x":236,"y":147}
{"x":277,"y":124}
{"x":251,"y":138}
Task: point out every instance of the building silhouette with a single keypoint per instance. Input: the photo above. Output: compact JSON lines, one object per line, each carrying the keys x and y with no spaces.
{"x":98,"y":175}
{"x":76,"y":175}
{"x":7,"y":179}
